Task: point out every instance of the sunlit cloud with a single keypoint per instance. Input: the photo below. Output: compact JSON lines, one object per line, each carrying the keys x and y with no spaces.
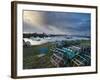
{"x":34,"y":18}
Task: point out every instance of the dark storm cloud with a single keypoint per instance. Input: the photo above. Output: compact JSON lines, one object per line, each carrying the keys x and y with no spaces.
{"x":62,"y":22}
{"x":74,"y":22}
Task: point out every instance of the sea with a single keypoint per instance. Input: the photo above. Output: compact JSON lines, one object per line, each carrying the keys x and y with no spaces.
{"x":38,"y":40}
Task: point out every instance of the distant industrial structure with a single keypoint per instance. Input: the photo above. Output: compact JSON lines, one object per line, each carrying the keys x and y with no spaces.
{"x":71,"y":56}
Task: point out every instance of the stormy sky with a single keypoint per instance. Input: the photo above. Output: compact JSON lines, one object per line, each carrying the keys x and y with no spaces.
{"x":69,"y":23}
